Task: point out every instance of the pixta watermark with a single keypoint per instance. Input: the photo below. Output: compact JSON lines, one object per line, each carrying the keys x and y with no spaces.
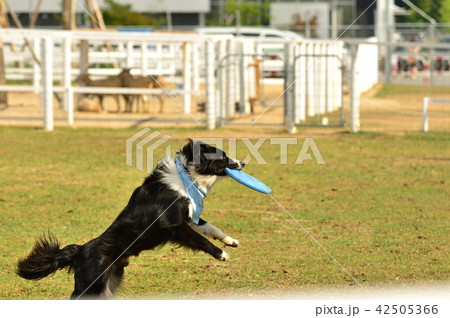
{"x":290,"y":150}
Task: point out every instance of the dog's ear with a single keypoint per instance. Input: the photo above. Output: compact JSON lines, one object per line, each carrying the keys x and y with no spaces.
{"x":188,"y":150}
{"x":190,"y":143}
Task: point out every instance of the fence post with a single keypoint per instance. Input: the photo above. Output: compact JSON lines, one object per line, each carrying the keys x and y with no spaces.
{"x":210,"y":86}
{"x":84,"y":56}
{"x":195,"y":67}
{"x":230,"y":79}
{"x":187,"y":67}
{"x":321,"y":78}
{"x":241,"y":82}
{"x":144,"y":59}
{"x":221,"y":75}
{"x":69,"y":101}
{"x":37,"y":68}
{"x":47,"y":81}
{"x":354,"y":92}
{"x":300,"y":84}
{"x":158,"y":58}
{"x":425,"y":101}
{"x":310,"y":91}
{"x":289,"y":87}
{"x":130,"y":61}
{"x":250,"y":80}
{"x":248,"y":49}
{"x":329,"y":81}
{"x":67,"y":71}
{"x":339,"y":69}
{"x":296,"y":85}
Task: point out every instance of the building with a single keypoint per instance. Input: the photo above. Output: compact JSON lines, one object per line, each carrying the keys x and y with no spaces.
{"x":177,"y":12}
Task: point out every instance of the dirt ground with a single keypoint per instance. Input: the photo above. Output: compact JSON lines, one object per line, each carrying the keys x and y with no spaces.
{"x":387,"y":114}
{"x":403,"y":112}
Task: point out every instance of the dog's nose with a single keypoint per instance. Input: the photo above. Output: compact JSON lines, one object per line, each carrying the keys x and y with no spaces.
{"x":242,"y":164}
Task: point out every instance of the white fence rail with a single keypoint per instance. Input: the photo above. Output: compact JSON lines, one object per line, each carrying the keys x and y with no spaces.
{"x":425,"y":102}
{"x":161,"y":59}
{"x":63,"y":55}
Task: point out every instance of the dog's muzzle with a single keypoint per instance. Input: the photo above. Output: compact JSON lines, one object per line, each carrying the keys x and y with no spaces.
{"x":240,"y":165}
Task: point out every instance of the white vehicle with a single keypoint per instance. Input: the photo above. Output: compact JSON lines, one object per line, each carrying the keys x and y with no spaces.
{"x":272,"y":53}
{"x":254,"y":32}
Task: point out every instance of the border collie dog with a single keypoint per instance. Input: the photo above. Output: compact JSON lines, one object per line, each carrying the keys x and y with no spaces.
{"x":164,"y":209}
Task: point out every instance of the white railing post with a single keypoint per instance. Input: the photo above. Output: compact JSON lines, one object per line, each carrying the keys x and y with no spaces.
{"x":187,"y":67}
{"x":310,"y":90}
{"x":329,"y":80}
{"x":67,"y":70}
{"x":130,"y":61}
{"x":239,"y":79}
{"x":195,"y":66}
{"x":159,"y":58}
{"x":289,"y":87}
{"x":248,"y":82}
{"x":337,"y":78}
{"x":425,"y":101}
{"x":144,"y":59}
{"x":68,"y":92}
{"x":37,"y":68}
{"x":47,"y":82}
{"x":210,"y":89}
{"x":230,"y":79}
{"x":221,"y":74}
{"x":354,"y":92}
{"x":320,"y":54}
{"x":300,"y":84}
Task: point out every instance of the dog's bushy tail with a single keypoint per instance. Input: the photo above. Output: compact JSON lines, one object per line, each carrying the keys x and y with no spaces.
{"x":45,"y":258}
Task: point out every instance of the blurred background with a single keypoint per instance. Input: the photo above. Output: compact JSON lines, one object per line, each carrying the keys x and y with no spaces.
{"x":380,"y":65}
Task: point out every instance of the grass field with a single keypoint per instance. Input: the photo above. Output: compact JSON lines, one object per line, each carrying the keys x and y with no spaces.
{"x":380,"y":205}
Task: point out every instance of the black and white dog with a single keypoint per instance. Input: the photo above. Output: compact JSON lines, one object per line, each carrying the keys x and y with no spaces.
{"x":165,"y":208}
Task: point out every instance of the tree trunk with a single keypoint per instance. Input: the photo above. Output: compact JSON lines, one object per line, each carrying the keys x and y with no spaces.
{"x":68,"y":15}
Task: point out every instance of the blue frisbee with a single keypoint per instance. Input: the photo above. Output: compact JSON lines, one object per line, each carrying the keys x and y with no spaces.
{"x":248,"y":180}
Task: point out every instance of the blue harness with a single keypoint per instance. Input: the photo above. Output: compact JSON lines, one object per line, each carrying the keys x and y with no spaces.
{"x":195,"y":194}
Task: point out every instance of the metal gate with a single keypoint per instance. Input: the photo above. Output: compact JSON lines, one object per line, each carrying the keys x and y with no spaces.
{"x":243,"y":90}
{"x":309,"y":93}
{"x":314,"y":86}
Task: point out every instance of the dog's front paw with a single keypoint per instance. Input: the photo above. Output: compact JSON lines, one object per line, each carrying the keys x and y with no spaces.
{"x":224,"y":257}
{"x":230,"y":241}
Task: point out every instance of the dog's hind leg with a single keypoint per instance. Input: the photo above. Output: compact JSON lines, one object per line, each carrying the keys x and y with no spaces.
{"x":209,"y":230}
{"x":88,"y":288}
{"x":115,"y":277}
{"x":90,"y":280}
{"x":187,"y":237}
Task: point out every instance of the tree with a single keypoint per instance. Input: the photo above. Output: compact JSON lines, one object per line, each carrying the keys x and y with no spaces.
{"x":250,"y":13}
{"x":122,"y":14}
{"x":444,"y":12}
{"x":431,"y":8}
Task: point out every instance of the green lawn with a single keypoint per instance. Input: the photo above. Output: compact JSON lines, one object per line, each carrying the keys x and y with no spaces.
{"x":397,"y":90}
{"x":380,"y":206}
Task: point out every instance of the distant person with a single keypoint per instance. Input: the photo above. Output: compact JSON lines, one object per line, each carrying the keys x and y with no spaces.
{"x":412,"y":66}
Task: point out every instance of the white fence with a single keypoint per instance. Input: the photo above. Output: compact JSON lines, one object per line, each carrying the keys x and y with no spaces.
{"x":425,"y":102}
{"x":160,"y":58}
{"x":312,"y":70}
{"x":57,"y":60}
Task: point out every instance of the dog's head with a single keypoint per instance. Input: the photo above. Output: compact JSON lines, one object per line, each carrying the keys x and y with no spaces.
{"x":207,"y":160}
